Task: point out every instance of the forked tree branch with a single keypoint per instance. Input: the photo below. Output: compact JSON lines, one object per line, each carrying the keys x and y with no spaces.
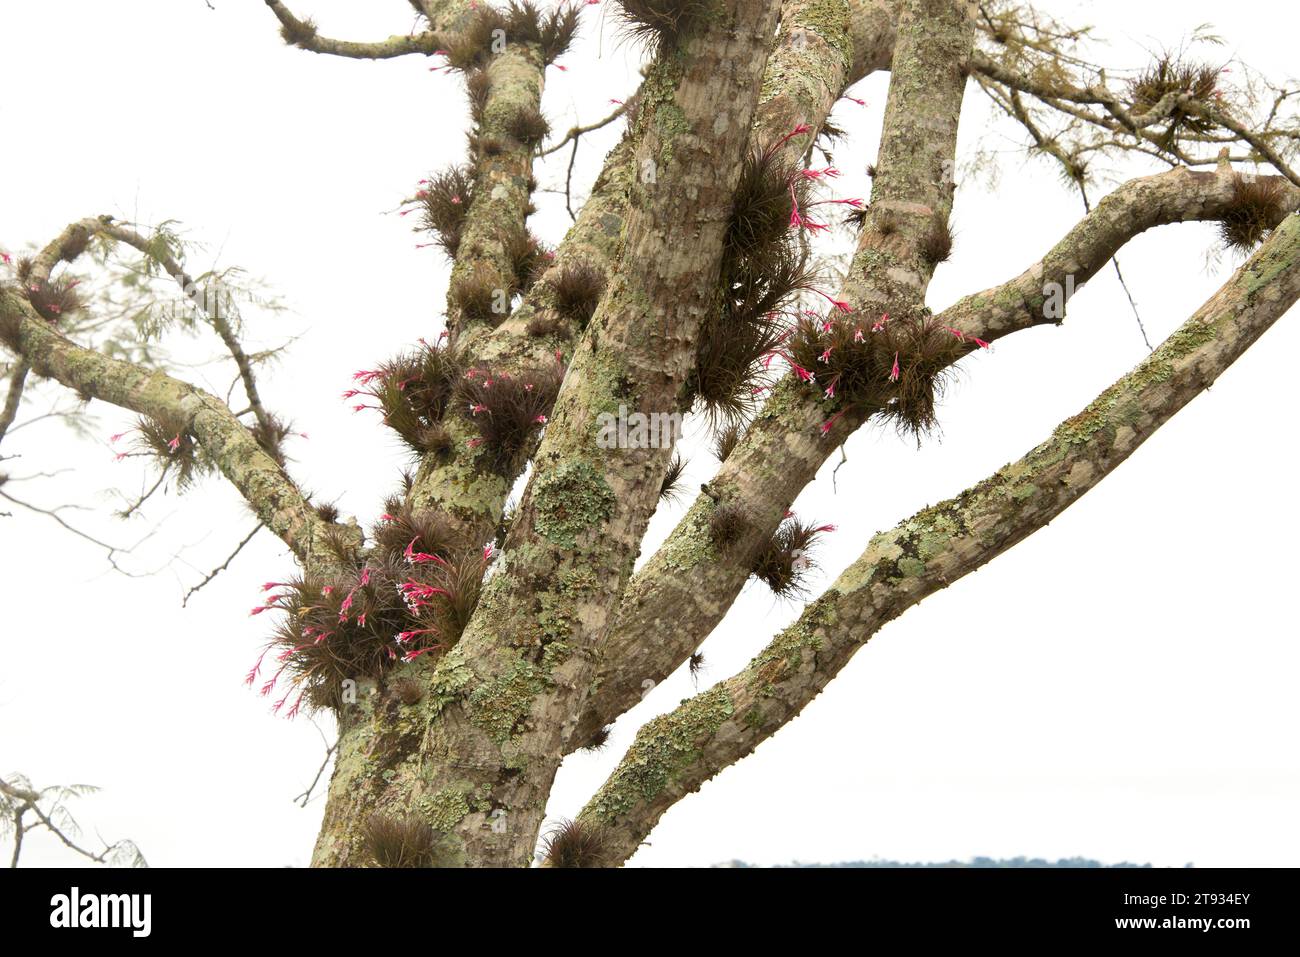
{"x":673,"y":755}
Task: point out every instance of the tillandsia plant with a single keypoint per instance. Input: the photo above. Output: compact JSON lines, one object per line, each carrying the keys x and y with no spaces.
{"x":498,"y":614}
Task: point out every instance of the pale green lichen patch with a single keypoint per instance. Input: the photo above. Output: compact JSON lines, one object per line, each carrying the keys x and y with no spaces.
{"x":663,"y":749}
{"x":571,"y":500}
{"x":498,"y":706}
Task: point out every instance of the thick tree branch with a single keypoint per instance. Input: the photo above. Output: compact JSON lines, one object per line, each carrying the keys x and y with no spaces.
{"x":685,"y":589}
{"x":303,"y":34}
{"x":268,"y":490}
{"x":586,"y":507}
{"x":676,"y":753}
{"x":1180,"y":195}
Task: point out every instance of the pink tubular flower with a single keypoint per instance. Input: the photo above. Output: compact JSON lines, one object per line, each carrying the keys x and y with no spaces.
{"x":365,"y":578}
{"x":826,"y":428}
{"x":489,"y":550}
{"x":387,"y":518}
{"x":175,"y":443}
{"x":854,"y":99}
{"x":367,"y":376}
{"x":420,"y":558}
{"x":6,"y":258}
{"x":114,"y":439}
{"x":956,"y":332}
{"x":824,"y":528}
{"x":269,"y":585}
{"x":803,"y":374}
{"x":417,"y":591}
{"x":830,"y":389}
{"x":259,"y":609}
{"x":346,"y":606}
{"x":979,"y":342}
{"x":412,"y":655}
{"x":541,"y":419}
{"x":476,"y":409}
{"x":327,"y":591}
{"x":858,"y":336}
{"x":406,"y":636}
{"x":880,"y":323}
{"x":893,"y":375}
{"x":825,"y":356}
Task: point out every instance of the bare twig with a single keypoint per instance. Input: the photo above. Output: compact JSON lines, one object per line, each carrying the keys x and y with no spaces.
{"x":224,"y":565}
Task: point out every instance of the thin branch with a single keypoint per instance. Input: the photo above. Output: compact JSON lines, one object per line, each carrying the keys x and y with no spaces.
{"x":224,"y":565}
{"x":577,"y":131}
{"x":303,"y":34}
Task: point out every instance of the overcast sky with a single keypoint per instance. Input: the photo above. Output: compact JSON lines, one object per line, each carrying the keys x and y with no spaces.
{"x":1119,"y":686}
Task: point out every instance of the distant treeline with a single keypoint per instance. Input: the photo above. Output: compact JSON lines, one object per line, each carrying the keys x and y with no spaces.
{"x":974,"y":862}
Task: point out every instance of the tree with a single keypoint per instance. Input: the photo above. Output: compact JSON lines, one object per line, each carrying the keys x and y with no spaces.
{"x":694,"y":279}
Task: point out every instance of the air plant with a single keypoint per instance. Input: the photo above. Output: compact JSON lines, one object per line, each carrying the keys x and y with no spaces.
{"x":574,"y":844}
{"x":445,"y":199}
{"x":937,"y":240}
{"x":528,"y":126}
{"x":399,"y":841}
{"x":727,"y":524}
{"x":405,"y":602}
{"x":1258,"y":204}
{"x":167,"y":438}
{"x":528,"y":256}
{"x":412,"y":392}
{"x":480,"y":295}
{"x":577,"y":288}
{"x":507,"y":410}
{"x":895,"y":366}
{"x":1171,"y":76}
{"x":783,"y":565}
{"x":662,"y":24}
{"x":599,"y":739}
{"x":671,"y":489}
{"x":726,"y":439}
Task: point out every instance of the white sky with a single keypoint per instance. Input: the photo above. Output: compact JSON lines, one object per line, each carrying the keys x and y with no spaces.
{"x":1120,"y":686}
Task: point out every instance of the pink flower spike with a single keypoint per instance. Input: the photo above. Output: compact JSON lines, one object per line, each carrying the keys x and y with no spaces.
{"x":880,"y":323}
{"x":541,"y":419}
{"x":6,"y":257}
{"x":269,"y":585}
{"x":387,"y":518}
{"x":119,"y":456}
{"x":858,"y":336}
{"x":327,"y":591}
{"x":956,"y":332}
{"x":825,"y":356}
{"x":826,"y":428}
{"x":175,"y":443}
{"x":824,"y":528}
{"x":854,"y":99}
{"x":979,"y":342}
{"x":258,"y":610}
{"x":893,"y":375}
{"x":365,"y":578}
{"x":803,"y":374}
{"x":562,"y":69}
{"x":489,"y":550}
